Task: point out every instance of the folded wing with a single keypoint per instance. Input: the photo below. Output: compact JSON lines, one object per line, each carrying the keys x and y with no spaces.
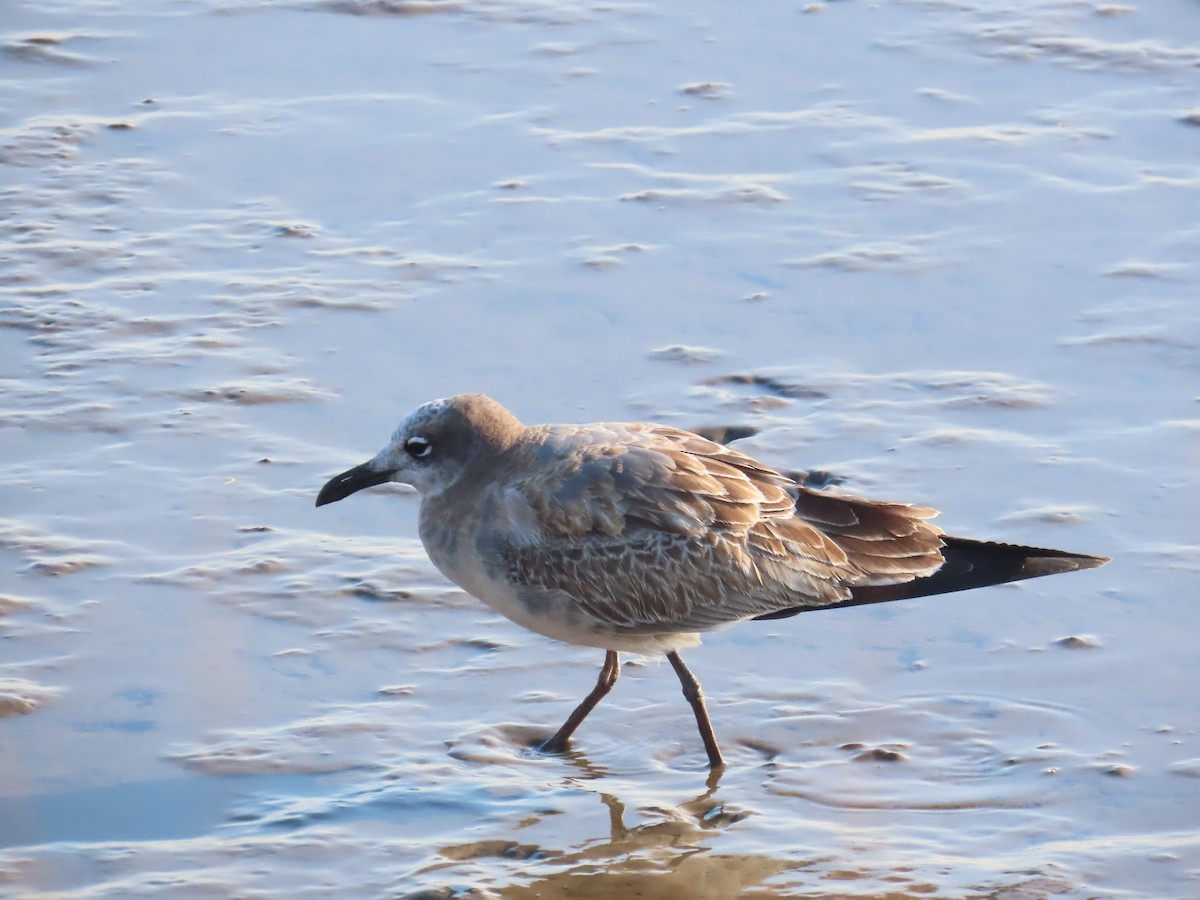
{"x":649,"y":529}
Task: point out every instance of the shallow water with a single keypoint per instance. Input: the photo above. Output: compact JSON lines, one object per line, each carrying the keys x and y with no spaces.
{"x":937,"y":252}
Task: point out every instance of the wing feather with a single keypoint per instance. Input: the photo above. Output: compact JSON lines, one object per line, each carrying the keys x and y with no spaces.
{"x":648,"y":529}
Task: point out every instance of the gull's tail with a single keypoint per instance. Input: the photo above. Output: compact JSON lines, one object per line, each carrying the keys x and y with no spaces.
{"x":969,"y":564}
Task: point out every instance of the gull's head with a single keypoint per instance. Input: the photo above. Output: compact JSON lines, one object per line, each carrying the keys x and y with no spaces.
{"x":435,"y":445}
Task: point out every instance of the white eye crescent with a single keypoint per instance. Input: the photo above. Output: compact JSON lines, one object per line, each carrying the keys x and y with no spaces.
{"x":418,"y":447}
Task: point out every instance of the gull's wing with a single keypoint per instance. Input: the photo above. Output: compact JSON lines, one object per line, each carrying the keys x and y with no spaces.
{"x":649,"y":529}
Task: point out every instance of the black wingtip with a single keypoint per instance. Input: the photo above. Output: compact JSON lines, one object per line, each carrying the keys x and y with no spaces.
{"x":969,"y":564}
{"x":973,"y":564}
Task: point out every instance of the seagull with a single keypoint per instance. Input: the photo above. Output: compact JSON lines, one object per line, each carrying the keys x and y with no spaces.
{"x":636,"y":538}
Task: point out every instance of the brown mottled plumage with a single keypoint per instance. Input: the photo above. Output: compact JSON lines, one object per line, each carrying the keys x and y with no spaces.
{"x":636,"y":537}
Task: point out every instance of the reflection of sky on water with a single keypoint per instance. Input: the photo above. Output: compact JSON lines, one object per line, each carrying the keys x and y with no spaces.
{"x":937,"y":252}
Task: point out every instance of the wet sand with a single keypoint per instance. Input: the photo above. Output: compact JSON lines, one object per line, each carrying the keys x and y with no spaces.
{"x":933,"y":252}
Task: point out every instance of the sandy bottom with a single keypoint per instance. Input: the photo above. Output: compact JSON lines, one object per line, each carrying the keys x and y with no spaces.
{"x":936,"y":252}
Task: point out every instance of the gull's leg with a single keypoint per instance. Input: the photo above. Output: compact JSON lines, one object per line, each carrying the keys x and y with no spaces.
{"x":695,"y":696}
{"x":608,"y":677}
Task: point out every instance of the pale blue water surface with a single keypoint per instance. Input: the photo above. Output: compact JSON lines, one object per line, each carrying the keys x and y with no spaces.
{"x":945,"y":251}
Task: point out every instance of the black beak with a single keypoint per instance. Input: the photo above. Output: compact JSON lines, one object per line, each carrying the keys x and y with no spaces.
{"x":342,"y":486}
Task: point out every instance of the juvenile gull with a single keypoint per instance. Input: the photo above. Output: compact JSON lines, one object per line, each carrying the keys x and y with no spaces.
{"x":635,"y":538}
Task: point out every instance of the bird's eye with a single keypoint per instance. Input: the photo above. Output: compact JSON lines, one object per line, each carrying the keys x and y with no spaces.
{"x":418,"y":447}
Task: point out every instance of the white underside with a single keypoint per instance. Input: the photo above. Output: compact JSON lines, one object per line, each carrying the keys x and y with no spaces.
{"x":553,"y":619}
